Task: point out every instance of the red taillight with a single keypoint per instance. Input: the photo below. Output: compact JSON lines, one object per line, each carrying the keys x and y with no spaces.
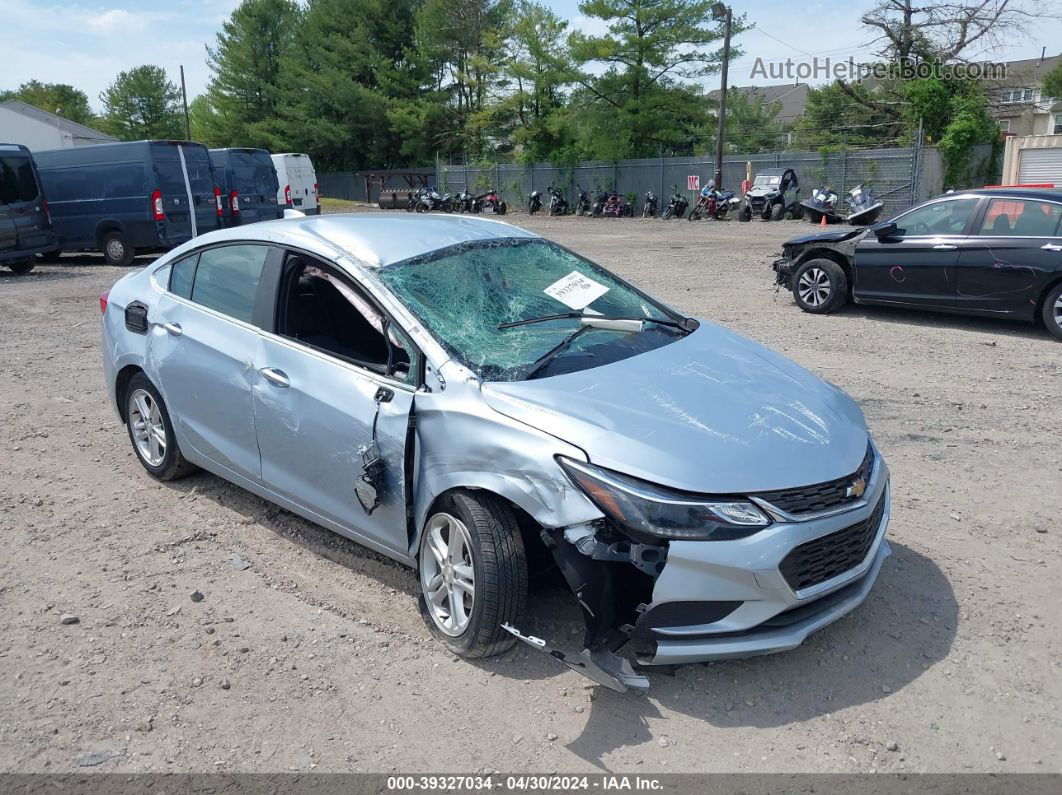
{"x":156,"y":205}
{"x":287,"y":195}
{"x":315,"y":190}
{"x":103,"y":301}
{"x":234,"y":202}
{"x":217,"y":201}
{"x":47,"y":212}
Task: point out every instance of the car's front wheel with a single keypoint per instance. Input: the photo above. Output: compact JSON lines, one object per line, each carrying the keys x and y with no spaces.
{"x":1052,"y":312}
{"x":151,"y":431}
{"x":820,"y":286}
{"x":473,"y":573}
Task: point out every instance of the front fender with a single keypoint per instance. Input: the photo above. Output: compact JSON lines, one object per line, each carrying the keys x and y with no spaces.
{"x":463,"y":443}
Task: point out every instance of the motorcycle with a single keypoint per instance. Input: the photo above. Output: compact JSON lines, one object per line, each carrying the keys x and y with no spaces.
{"x":649,"y":208}
{"x":534,"y":202}
{"x":863,"y":209}
{"x":676,"y":208}
{"x":431,"y":200}
{"x":822,"y":204}
{"x":714,"y":203}
{"x":582,"y":204}
{"x":489,"y":202}
{"x":616,"y":206}
{"x":414,"y":199}
{"x":557,"y":203}
{"x":600,"y":200}
{"x":463,"y":202}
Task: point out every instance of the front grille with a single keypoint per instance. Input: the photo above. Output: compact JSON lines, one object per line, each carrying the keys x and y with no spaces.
{"x":826,"y":557}
{"x":822,"y":496}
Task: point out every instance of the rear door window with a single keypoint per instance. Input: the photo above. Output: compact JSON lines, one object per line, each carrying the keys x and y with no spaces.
{"x":1021,"y":218}
{"x":18,"y":183}
{"x":226,"y":279}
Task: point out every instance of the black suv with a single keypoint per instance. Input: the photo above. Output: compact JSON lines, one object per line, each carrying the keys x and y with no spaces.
{"x":25,"y":228}
{"x":995,"y":252}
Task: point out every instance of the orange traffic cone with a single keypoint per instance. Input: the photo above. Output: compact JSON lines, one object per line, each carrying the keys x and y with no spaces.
{"x":823,"y":221}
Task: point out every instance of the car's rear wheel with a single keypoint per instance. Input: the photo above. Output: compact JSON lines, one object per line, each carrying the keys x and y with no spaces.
{"x":151,"y":431}
{"x":820,"y":286}
{"x":473,"y":573}
{"x":22,"y":266}
{"x":116,"y":249}
{"x":1052,"y":311}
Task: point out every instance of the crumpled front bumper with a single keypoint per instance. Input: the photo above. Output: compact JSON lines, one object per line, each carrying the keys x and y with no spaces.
{"x":783,"y":272}
{"x":770,"y":616}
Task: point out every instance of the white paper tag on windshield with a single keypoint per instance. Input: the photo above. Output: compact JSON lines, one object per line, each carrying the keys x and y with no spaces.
{"x":576,"y":290}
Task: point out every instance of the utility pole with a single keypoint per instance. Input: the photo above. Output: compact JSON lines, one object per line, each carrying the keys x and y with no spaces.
{"x":721,"y":12}
{"x":184,"y":97}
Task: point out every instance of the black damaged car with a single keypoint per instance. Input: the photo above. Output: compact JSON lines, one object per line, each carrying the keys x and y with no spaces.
{"x":995,"y":252}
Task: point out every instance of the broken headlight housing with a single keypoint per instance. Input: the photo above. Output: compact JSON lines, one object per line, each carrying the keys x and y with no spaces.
{"x":652,"y":513}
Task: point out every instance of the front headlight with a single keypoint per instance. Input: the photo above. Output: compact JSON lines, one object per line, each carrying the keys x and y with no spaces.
{"x":651,"y":512}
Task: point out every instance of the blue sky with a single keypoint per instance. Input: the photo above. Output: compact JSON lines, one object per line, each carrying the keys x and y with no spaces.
{"x":87,"y":42}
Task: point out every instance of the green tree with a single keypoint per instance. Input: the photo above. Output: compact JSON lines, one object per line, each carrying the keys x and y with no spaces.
{"x":751,"y":123}
{"x":244,"y":92}
{"x":345,"y":82}
{"x":142,"y":103}
{"x":61,"y":98}
{"x":462,"y":43}
{"x":640,"y":104}
{"x":535,"y":76}
{"x":1052,"y":86}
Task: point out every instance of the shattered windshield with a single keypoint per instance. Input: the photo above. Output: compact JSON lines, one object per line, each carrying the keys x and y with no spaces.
{"x":464,"y":292}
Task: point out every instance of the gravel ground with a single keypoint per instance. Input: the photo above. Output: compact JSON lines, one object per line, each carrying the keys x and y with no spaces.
{"x":314,"y":657}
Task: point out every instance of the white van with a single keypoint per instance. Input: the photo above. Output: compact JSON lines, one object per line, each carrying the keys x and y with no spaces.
{"x":298,"y":183}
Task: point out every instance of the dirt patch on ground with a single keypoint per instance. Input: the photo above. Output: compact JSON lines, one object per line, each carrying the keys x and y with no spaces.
{"x":314,"y":657}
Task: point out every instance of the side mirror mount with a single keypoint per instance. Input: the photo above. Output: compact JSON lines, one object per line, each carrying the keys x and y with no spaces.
{"x":882,"y":231}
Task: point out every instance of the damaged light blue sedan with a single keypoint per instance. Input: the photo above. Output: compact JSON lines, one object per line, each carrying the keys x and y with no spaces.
{"x":475,"y":401}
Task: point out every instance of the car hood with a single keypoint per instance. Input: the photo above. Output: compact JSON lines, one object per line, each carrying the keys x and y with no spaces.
{"x":826,"y":237}
{"x":710,"y":413}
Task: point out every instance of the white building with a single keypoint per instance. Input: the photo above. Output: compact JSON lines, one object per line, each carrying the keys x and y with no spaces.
{"x":38,"y":129}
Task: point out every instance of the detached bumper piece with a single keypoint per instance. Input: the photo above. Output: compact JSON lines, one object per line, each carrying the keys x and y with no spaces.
{"x":783,"y":272}
{"x":603,"y":666}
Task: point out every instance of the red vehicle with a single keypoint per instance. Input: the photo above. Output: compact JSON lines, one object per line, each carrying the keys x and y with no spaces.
{"x":489,"y":202}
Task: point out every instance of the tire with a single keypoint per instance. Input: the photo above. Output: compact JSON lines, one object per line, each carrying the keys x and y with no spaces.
{"x":116,"y":250}
{"x":141,"y":394}
{"x":720,"y":214}
{"x":745,"y":215}
{"x":447,"y":207}
{"x":777,"y":211}
{"x":820,"y":286}
{"x":490,"y":540}
{"x":1052,"y":312}
{"x":694,"y":215}
{"x":798,"y":212}
{"x":501,"y":208}
{"x":666,"y":214}
{"x":21,"y":267}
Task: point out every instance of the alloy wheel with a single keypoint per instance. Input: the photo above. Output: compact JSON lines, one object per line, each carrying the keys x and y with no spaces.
{"x":814,"y":287}
{"x":1058,"y":311}
{"x":447,"y":575}
{"x":149,"y":431}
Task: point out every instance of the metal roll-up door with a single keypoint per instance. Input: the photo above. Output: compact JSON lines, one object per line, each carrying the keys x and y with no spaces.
{"x":1040,"y":166}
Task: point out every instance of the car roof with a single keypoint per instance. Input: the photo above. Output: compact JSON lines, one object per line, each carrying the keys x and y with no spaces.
{"x":1054,"y":194}
{"x":379,"y":239}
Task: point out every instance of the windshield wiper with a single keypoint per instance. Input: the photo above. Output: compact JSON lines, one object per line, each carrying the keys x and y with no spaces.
{"x":686,"y":324}
{"x":556,"y":350}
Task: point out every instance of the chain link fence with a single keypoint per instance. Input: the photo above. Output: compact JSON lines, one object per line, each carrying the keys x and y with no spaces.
{"x":893,"y":174}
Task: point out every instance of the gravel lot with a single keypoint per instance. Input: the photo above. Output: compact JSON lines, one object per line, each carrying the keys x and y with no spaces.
{"x":315,"y":658}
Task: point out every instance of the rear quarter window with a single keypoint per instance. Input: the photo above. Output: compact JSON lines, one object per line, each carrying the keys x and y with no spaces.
{"x":182,"y":275}
{"x":226,"y":279}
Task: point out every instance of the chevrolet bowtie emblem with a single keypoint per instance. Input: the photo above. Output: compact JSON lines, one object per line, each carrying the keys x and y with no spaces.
{"x":856,"y":489}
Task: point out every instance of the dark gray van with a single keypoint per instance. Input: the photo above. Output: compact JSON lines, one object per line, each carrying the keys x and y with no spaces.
{"x":25,"y":228}
{"x":249,"y":185}
{"x":134,"y":196}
